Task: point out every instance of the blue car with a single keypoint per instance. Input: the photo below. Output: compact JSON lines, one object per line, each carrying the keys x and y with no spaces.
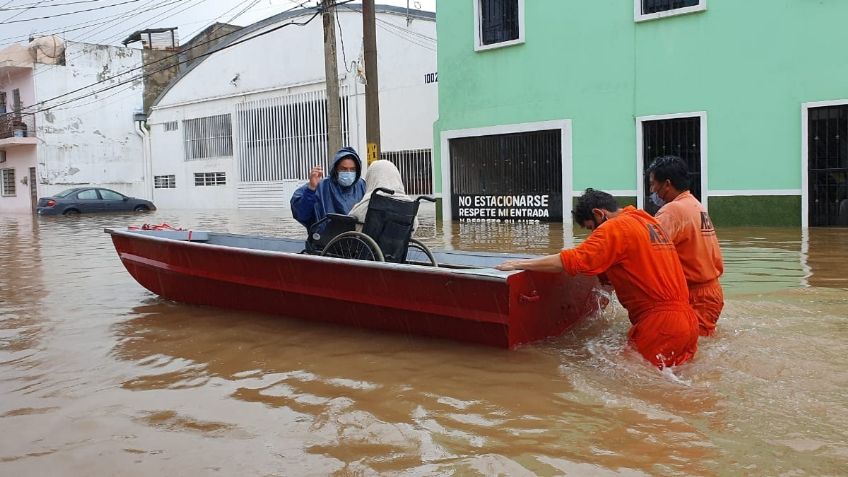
{"x":81,"y":200}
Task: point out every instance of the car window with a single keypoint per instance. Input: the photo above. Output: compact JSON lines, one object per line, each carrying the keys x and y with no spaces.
{"x":89,"y":194}
{"x":107,"y":194}
{"x":65,"y":193}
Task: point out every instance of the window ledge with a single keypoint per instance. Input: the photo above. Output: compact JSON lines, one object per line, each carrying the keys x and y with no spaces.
{"x":503,"y":44}
{"x":638,"y":18}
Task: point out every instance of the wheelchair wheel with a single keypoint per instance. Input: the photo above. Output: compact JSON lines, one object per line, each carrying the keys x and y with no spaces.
{"x":355,"y":245}
{"x":419,"y":254}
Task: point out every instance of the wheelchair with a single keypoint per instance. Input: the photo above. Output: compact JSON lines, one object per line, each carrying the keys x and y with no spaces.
{"x":386,"y":234}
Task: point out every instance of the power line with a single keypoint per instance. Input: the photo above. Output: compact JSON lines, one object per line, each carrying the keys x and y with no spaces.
{"x":33,"y":5}
{"x":142,"y":76}
{"x":22,"y":11}
{"x":5,"y":22}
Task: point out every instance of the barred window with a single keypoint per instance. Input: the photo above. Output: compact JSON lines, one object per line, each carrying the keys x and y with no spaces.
{"x":499,"y":22}
{"x":208,"y":137}
{"x":210,"y":178}
{"x":171,"y":125}
{"x":8,"y":182}
{"x":416,"y":169}
{"x":650,"y":9}
{"x":165,"y":182}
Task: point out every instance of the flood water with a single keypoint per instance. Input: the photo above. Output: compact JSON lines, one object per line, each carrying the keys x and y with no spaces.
{"x":98,"y":376}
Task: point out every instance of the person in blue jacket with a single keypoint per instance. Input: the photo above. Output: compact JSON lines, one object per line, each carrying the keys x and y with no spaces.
{"x":336,"y":194}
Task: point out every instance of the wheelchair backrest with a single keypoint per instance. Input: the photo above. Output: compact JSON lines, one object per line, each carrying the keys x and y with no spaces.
{"x":389,"y":222}
{"x":320,"y":233}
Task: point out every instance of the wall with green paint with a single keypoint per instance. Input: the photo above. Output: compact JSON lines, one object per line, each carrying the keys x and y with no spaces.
{"x":749,"y":64}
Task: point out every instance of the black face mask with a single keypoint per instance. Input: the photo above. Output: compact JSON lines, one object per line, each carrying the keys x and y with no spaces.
{"x":598,"y":224}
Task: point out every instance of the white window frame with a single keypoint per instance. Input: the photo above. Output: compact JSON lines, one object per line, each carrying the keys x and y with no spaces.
{"x":478,"y":37}
{"x":639,"y":17}
{"x":567,"y":179}
{"x":805,"y":154}
{"x":165,"y":181}
{"x":3,"y":173}
{"x":210,"y":179}
{"x":640,"y":155}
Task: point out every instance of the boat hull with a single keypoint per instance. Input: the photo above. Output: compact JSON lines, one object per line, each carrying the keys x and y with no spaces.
{"x":471,"y":305}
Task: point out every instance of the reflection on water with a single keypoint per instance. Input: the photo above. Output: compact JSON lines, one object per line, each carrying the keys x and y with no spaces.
{"x":99,"y":376}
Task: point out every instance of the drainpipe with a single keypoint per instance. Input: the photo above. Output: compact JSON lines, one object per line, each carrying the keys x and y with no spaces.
{"x":147,"y":162}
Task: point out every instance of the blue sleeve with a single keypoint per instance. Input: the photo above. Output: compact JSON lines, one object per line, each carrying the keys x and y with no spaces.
{"x":303,"y":205}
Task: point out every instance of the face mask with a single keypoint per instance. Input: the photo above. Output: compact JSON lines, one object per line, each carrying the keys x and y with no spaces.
{"x":346,"y":178}
{"x":657,"y":200}
{"x":598,"y":224}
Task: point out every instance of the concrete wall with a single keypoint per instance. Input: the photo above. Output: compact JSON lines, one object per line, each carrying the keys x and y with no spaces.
{"x":91,"y":141}
{"x":749,"y":65}
{"x":20,"y":159}
{"x":290,"y":61}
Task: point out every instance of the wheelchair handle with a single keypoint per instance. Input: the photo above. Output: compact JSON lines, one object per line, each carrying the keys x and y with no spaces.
{"x":425,"y":197}
{"x":383,"y":189}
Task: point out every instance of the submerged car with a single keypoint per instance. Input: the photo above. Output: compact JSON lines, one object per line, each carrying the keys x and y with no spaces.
{"x":81,"y":200}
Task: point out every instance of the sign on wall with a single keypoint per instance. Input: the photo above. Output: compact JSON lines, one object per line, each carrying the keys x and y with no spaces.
{"x":507,"y":178}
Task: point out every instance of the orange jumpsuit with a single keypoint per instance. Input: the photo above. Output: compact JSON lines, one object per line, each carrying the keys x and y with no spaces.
{"x":640,"y":261}
{"x":690,"y":229}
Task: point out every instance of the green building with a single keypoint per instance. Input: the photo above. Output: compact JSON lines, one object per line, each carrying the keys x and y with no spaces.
{"x":539,"y":99}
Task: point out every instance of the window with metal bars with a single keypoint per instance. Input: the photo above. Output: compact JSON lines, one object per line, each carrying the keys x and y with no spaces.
{"x":679,"y":137}
{"x":656,"y":6}
{"x":416,"y":169}
{"x":208,"y":137}
{"x":7,"y":181}
{"x":827,"y":173}
{"x":3,"y":102}
{"x":513,"y":176}
{"x":499,"y":21}
{"x":282,"y":138}
{"x":210,"y":178}
{"x":171,"y":126}
{"x":165,"y":182}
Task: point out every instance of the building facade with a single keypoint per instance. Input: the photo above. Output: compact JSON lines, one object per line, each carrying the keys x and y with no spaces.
{"x":539,"y":100}
{"x":242,"y":127}
{"x":48,"y":144}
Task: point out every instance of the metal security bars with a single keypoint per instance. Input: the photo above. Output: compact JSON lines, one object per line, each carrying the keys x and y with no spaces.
{"x":283,"y":137}
{"x":210,"y":178}
{"x":827,"y":173}
{"x":171,"y":126}
{"x":7,"y":181}
{"x":654,"y":6}
{"x":678,"y":137}
{"x":511,"y":176}
{"x":499,"y":21}
{"x":208,"y":137}
{"x":165,"y":182}
{"x":416,"y":169}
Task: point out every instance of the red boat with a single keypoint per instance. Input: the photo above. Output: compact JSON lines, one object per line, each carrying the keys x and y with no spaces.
{"x":462,"y":299}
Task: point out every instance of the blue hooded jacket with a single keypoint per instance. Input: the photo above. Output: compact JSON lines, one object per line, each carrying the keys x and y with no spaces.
{"x":329,"y":197}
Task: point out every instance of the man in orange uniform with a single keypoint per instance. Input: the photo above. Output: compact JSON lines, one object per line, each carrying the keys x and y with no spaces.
{"x":633,"y":251}
{"x":689,"y":227}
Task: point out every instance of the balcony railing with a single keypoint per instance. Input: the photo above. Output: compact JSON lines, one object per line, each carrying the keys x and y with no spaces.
{"x":17,"y":125}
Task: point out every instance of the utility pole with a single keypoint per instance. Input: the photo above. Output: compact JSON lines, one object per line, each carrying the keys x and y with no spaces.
{"x":372,"y":100}
{"x":334,"y":129}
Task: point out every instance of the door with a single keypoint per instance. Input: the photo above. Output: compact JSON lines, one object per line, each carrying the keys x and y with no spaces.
{"x":113,"y":201}
{"x":33,"y":189}
{"x":507,"y":177}
{"x":827,"y":166}
{"x":89,"y":201}
{"x":679,"y":137}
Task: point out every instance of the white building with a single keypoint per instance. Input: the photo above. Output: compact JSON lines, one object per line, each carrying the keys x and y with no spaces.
{"x":91,"y":141}
{"x":242,"y":127}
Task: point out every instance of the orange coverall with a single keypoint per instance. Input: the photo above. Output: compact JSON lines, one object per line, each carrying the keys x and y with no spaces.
{"x":642,"y":265}
{"x":687,"y":224}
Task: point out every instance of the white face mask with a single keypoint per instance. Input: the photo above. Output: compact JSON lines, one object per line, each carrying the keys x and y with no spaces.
{"x":347,"y":178}
{"x":657,"y":200}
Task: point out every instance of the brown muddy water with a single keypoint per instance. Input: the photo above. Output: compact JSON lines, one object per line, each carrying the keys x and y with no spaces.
{"x":98,"y":376}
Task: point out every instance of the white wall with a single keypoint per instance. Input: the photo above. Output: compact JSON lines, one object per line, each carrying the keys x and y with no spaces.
{"x":291,"y":61}
{"x":93,"y":140}
{"x":20,"y":159}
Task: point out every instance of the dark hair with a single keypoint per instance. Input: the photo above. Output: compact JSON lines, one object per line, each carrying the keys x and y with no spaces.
{"x":670,"y":168}
{"x":592,"y":199}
